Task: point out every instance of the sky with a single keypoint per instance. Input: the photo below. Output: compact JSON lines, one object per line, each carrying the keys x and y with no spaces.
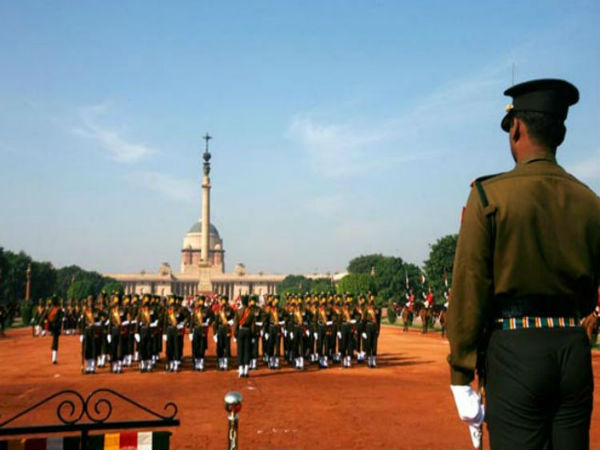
{"x":340,"y":128}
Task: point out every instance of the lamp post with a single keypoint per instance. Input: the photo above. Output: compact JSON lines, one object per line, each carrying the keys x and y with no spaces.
{"x":28,"y":284}
{"x":233,"y":405}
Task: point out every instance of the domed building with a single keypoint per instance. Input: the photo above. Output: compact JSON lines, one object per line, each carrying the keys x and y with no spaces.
{"x":191,"y":251}
{"x":202,"y":263}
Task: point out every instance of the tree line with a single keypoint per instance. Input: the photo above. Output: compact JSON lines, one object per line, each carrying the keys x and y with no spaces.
{"x":388,"y":277}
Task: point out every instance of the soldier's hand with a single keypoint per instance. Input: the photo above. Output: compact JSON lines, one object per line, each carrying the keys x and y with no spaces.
{"x":266,"y":336}
{"x":165,"y":337}
{"x":137,"y":337}
{"x":215,"y":338}
{"x":339,"y":334}
{"x":191,"y":336}
{"x":108,"y":338}
{"x":81,"y":338}
{"x":364,"y":336}
{"x":316,"y":335}
{"x":470,"y":410}
{"x":292,"y":335}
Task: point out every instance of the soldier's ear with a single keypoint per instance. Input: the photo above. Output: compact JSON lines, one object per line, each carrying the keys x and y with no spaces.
{"x":515,"y":129}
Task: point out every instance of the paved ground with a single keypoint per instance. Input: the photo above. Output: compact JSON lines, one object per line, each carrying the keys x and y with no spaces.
{"x":405,"y":403}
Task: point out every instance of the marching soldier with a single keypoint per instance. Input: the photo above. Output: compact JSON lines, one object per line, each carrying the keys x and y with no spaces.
{"x":100,"y":338}
{"x":324,"y":325}
{"x":347,"y":331}
{"x":276,"y":322}
{"x":372,"y":320}
{"x":133,"y":313}
{"x":296,"y":333}
{"x":200,"y":320}
{"x":360,"y":330}
{"x":335,"y":341}
{"x":53,"y":316}
{"x":37,"y":319}
{"x":174,"y":320}
{"x":243,"y":329}
{"x":526,"y":268}
{"x":256,"y":331}
{"x":143,"y":334}
{"x":156,"y":324}
{"x":222,"y":333}
{"x":127,"y":331}
{"x":116,"y":317}
{"x":88,"y":335}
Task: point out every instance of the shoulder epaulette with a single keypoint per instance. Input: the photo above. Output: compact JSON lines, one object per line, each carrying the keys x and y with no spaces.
{"x":485,"y":177}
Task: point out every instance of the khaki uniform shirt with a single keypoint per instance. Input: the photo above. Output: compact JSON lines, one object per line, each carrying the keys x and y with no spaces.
{"x":547,"y":243}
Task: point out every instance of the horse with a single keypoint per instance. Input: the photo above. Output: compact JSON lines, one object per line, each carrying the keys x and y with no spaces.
{"x":424,"y":314}
{"x":407,"y":318}
{"x":590,"y":325}
{"x":442,"y":320}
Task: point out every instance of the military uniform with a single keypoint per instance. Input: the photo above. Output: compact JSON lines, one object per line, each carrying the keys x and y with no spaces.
{"x":372,"y":323}
{"x":87,"y":337}
{"x":222,"y":333}
{"x":114,"y":334}
{"x":174,"y":321}
{"x":527,"y":266}
{"x":143,"y":334}
{"x":243,"y":330}
{"x":54,"y":318}
{"x":200,"y":320}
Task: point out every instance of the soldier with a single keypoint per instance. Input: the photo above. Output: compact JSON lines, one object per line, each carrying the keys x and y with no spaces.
{"x":156,"y":328}
{"x":324,"y":325}
{"x":88,"y":335}
{"x":359,"y":341}
{"x":133,"y":314}
{"x":222,"y":333}
{"x":428,"y":301}
{"x":296,"y":332}
{"x":116,"y":317}
{"x":526,"y":268}
{"x":143,"y":334}
{"x":276,"y":322}
{"x":36,"y":319}
{"x":336,"y":318}
{"x":256,"y":331}
{"x":200,"y":320}
{"x":100,"y":315}
{"x":243,"y":329}
{"x":174,"y":320}
{"x":127,"y":331}
{"x":372,"y":321}
{"x":54,"y":318}
{"x":349,"y":318}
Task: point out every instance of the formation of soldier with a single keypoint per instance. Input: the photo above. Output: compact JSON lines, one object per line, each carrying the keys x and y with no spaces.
{"x":320,"y":329}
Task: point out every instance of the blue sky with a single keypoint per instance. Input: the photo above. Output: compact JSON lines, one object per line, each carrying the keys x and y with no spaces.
{"x":340,"y":127}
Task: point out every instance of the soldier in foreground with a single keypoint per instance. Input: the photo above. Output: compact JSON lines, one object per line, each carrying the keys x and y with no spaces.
{"x":527,"y":267}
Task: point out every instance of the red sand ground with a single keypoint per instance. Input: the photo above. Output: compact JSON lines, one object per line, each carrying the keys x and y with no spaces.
{"x":405,"y":403}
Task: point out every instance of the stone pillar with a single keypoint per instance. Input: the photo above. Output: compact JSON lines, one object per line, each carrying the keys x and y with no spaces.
{"x":205,"y":217}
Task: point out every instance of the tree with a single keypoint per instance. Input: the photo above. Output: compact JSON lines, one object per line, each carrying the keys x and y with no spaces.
{"x":356,"y":283}
{"x":321,"y":285}
{"x":43,"y":279}
{"x":81,"y":289}
{"x":364,"y":263}
{"x":111,"y":286}
{"x":294,"y":284}
{"x":440,"y":262}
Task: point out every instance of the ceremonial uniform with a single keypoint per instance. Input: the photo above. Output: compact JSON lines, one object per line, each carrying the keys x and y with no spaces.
{"x":527,"y":267}
{"x":372,"y":320}
{"x":324,"y":325}
{"x":276,"y":321}
{"x":222,"y":333}
{"x":349,"y":317}
{"x":143,"y":334}
{"x":116,"y":317}
{"x":54,"y":317}
{"x":174,"y":321}
{"x":200,"y":320}
{"x":243,"y":329}
{"x":88,"y":336}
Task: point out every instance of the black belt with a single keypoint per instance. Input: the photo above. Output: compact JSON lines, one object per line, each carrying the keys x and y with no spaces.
{"x":535,"y":306}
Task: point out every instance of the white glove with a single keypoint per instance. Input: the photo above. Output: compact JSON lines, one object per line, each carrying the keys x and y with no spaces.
{"x":470,"y":410}
{"x":81,"y":338}
{"x":316,"y":335}
{"x":307,"y":333}
{"x":109,"y":338}
{"x":191,"y":336}
{"x":284,"y":332}
{"x":292,"y":335}
{"x":329,"y":322}
{"x":364,"y":336}
{"x":180,"y":325}
{"x":339,"y":334}
{"x":266,"y":336}
{"x":137,"y":337}
{"x":37,"y":330}
{"x":165,"y":337}
{"x":234,"y":339}
{"x":230,"y":322}
{"x":215,"y":338}
{"x":261,"y":333}
{"x":353,"y":321}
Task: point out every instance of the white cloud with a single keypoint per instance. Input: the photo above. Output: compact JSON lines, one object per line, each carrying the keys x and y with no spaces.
{"x":119,"y":148}
{"x":588,"y":169}
{"x":180,"y":189}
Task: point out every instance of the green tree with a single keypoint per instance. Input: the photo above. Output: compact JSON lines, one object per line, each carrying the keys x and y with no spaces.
{"x":321,"y":285}
{"x":440,"y":262}
{"x":364,"y":263}
{"x":356,"y":283}
{"x":43,"y":279}
{"x":81,"y":289}
{"x":112,"y":285}
{"x":294,"y":284}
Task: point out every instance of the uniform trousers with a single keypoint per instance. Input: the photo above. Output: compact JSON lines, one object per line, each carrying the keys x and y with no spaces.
{"x":244,"y":337}
{"x":115,"y":344}
{"x":273,"y":342}
{"x":173,"y":353}
{"x":371,"y":342}
{"x":199,"y":343}
{"x":223,"y":342}
{"x":539,"y":388}
{"x":346,"y":345}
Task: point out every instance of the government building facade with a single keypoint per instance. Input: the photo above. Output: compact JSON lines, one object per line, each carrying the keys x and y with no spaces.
{"x":202,"y":267}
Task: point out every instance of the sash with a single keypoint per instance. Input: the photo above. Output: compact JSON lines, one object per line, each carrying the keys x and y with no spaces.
{"x":53,"y":313}
{"x":117,"y":316}
{"x":172,"y":318}
{"x":244,"y":316}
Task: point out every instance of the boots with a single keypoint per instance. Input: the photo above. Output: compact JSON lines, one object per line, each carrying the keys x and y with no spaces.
{"x":240,"y":371}
{"x":54,"y":356}
{"x":246,"y":371}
